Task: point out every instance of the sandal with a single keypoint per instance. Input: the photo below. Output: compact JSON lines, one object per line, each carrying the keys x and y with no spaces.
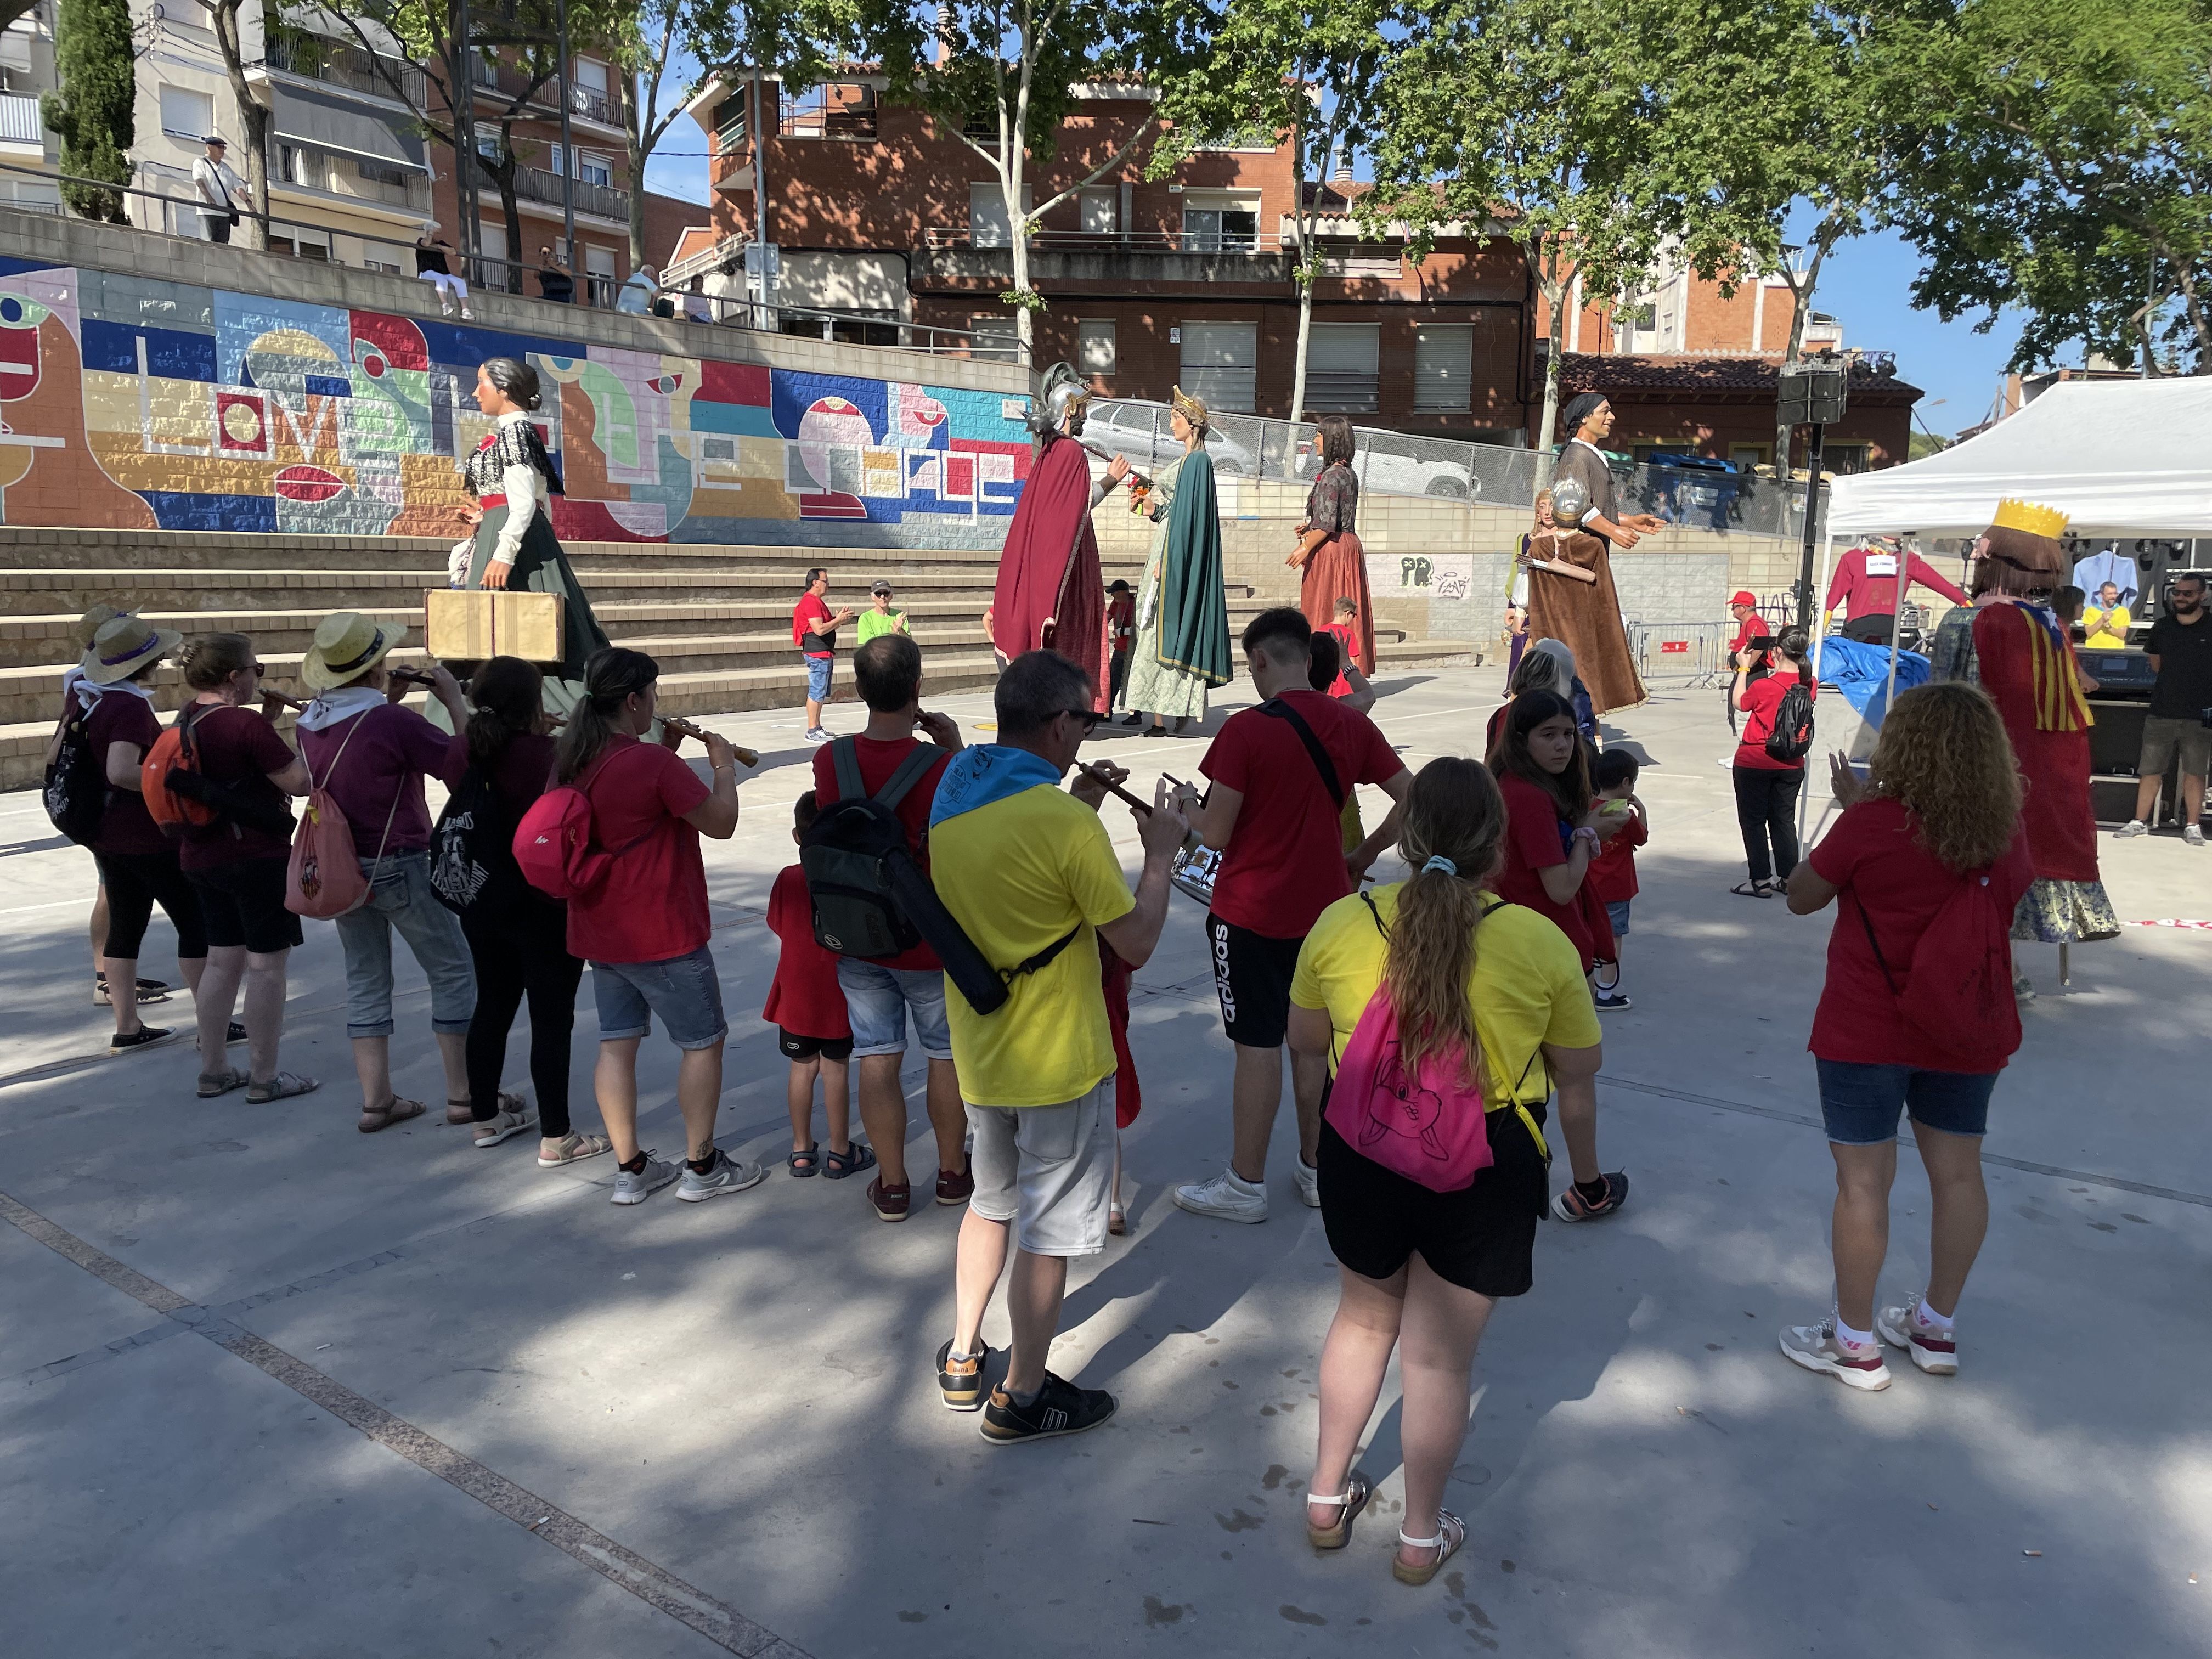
{"x":1451,"y":1533}
{"x":1117,"y":1224}
{"x":394,"y":1110}
{"x":1752,"y":890}
{"x":854,"y":1159}
{"x":574,"y":1148}
{"x":282,"y":1086}
{"x":148,"y":990}
{"x":507,"y":1124}
{"x":807,"y":1163}
{"x":221,"y":1083}
{"x":1356,"y":1492}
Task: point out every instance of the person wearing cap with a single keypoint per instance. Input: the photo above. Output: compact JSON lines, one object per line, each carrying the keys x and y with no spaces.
{"x":138,"y":866}
{"x":880,"y":618}
{"x":1866,"y":585}
{"x":236,"y":865}
{"x":1751,"y":634}
{"x":370,"y":756}
{"x":219,"y":190}
{"x":433,"y":267}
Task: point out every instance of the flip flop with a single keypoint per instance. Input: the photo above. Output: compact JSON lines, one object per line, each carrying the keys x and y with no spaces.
{"x":374,"y":1118}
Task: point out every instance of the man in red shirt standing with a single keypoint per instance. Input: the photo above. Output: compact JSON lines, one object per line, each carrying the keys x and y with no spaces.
{"x":879,"y":994}
{"x":1865,"y":584}
{"x":1281,"y":774}
{"x":1751,"y":634}
{"x":814,"y":631}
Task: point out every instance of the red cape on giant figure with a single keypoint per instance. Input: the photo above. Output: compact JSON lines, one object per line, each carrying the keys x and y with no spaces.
{"x":1049,"y":568}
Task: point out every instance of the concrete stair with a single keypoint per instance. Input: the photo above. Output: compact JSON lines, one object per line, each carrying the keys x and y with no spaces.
{"x":718,"y":618}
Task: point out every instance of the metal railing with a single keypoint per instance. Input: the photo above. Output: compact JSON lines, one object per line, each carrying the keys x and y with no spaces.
{"x":544,"y":184}
{"x":593,"y":107}
{"x":19,"y":120}
{"x":1111,"y":241}
{"x":340,"y":63}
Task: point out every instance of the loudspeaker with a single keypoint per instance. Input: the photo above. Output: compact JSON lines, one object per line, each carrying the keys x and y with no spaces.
{"x":1811,"y":394}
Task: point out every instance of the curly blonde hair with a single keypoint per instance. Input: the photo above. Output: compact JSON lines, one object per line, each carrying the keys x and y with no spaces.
{"x":1943,"y":753}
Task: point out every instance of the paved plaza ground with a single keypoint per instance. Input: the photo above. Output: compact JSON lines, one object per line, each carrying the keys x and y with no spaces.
{"x":275,"y":1388}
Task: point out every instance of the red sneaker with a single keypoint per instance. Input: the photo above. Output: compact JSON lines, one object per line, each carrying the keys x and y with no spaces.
{"x":891,"y":1202}
{"x":956,"y":1186}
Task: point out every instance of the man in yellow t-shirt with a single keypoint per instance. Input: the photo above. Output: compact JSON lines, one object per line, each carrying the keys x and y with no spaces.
{"x":1028,"y":872}
{"x":2104,"y":624}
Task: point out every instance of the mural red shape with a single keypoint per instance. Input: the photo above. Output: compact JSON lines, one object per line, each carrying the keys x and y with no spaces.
{"x":396,"y":337}
{"x":308,"y":484}
{"x":590,"y":521}
{"x":722,"y":382}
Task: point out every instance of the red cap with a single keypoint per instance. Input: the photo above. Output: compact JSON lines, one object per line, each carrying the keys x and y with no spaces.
{"x":1744,"y":596}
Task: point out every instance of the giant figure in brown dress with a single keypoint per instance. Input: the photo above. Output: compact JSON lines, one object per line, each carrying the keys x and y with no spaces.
{"x":1570,"y":595}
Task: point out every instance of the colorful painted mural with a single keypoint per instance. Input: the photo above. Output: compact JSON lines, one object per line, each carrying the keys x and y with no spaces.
{"x":130,"y":403}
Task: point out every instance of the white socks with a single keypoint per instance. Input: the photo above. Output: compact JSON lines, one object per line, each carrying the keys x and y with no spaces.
{"x":1931,"y":1321}
{"x":1856,"y":1339}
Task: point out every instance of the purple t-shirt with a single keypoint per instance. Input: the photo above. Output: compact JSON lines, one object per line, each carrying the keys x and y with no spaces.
{"x":386,"y":759}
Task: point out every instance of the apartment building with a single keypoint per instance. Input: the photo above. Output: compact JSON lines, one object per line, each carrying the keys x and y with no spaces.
{"x":27,"y":150}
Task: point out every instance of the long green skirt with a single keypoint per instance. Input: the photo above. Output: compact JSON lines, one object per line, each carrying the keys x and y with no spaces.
{"x":1154,"y":688}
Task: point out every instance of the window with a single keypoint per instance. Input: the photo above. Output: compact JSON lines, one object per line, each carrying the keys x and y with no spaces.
{"x":594,"y":169}
{"x":1443,"y":366}
{"x":1102,"y":212}
{"x":590,"y":75}
{"x":994,"y":336}
{"x":982,"y":127}
{"x":488,"y":144}
{"x":383,"y":266}
{"x":1221,"y":364}
{"x":1744,"y":457}
{"x":835,"y":109}
{"x":491,"y":242}
{"x":1844,"y":460}
{"x":1340,"y":367}
{"x":987,"y":214}
{"x":377,"y":173}
{"x":485,"y":68}
{"x":732,"y":120}
{"x":1220,"y":225}
{"x":187,"y":114}
{"x":1094,"y":345}
{"x":599,"y":275}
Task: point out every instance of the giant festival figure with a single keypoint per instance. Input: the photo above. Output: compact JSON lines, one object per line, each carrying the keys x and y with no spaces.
{"x":1571,"y":593}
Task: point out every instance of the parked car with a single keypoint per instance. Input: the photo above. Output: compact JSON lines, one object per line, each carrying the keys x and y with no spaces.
{"x":1386,"y":462}
{"x":1688,"y":489}
{"x":1138,"y":429}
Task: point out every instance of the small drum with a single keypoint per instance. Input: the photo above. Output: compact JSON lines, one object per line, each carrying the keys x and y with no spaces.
{"x":1194,"y":870}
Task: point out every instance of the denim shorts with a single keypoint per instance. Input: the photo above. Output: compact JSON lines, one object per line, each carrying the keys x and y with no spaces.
{"x":876,"y":999}
{"x":401,"y":900}
{"x":817,"y":677}
{"x":1859,"y":1103}
{"x":684,"y":991}
{"x":1616,"y":912}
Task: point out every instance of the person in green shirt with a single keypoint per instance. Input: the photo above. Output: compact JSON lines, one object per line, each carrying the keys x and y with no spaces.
{"x":882,"y":619}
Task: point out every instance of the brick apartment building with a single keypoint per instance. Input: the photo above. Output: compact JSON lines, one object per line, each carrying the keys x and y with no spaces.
{"x":886,"y":218}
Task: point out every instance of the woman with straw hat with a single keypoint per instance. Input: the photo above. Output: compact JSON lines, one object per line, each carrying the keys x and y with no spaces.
{"x":81,"y":632}
{"x":138,"y":866}
{"x":370,"y":756}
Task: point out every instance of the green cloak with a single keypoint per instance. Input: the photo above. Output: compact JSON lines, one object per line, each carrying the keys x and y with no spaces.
{"x":1193,"y":607}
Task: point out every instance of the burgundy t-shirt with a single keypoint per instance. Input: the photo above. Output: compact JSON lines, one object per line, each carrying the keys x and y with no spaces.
{"x":122,"y":716}
{"x":379,"y":776}
{"x":238,"y":747}
{"x":1284,"y":865}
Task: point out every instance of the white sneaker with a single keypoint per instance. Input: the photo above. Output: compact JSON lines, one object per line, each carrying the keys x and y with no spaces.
{"x":819,"y":734}
{"x":2193,"y":836}
{"x":467,"y":315}
{"x":1227,"y":1197}
{"x":1309,"y":1183}
{"x":1818,"y":1348}
{"x":1934,"y":1351}
{"x":635,"y":1186}
{"x":2132,"y":828}
{"x":726,"y":1175}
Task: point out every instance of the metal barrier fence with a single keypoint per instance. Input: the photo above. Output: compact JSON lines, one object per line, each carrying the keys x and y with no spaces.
{"x":1680,"y":653}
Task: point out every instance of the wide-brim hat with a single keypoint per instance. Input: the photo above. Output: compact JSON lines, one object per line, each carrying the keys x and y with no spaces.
{"x":85,"y":627}
{"x":347,"y":645}
{"x":124,"y":646}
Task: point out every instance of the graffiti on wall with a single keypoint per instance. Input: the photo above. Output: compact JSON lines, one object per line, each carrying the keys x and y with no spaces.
{"x":129,"y":402}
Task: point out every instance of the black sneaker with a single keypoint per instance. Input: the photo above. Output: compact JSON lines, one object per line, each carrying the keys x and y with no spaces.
{"x":1059,"y":1408}
{"x":1571,"y":1205}
{"x":962,"y":1380}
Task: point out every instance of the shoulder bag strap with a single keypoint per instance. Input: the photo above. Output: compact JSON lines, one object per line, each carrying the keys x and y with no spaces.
{"x":1323,"y":764}
{"x":1043,"y":957}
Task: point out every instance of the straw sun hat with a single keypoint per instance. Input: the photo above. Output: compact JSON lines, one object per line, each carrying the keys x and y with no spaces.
{"x":347,"y":645}
{"x":124,"y":645}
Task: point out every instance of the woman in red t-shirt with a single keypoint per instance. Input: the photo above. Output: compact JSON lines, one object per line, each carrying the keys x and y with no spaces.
{"x":1936,"y":824}
{"x":1766,"y":788}
{"x":644,"y":928}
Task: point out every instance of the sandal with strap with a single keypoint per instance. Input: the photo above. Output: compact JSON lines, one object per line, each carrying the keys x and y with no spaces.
{"x":1752,"y":890}
{"x":574,"y":1148}
{"x":804,"y":1164}
{"x":1117,"y":1224}
{"x":221,"y":1083}
{"x":507,"y":1124}
{"x":855,"y":1158}
{"x":394,"y":1110}
{"x":1356,"y":1492}
{"x":282,"y":1086}
{"x":1451,"y":1533}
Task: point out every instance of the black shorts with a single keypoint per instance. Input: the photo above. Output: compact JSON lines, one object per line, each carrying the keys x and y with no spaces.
{"x":243,"y":903}
{"x":1479,"y":1239}
{"x":795,"y":1047}
{"x":1252,"y":977}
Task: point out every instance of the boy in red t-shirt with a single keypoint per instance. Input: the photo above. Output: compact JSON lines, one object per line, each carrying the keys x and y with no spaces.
{"x":1346,"y":630}
{"x":808,"y":1006}
{"x":1613,"y":872}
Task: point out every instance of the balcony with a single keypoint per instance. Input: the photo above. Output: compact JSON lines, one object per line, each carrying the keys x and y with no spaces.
{"x":20,"y":124}
{"x":587,"y":104}
{"x":338,"y":63}
{"x":602,"y":201}
{"x":1137,"y":261}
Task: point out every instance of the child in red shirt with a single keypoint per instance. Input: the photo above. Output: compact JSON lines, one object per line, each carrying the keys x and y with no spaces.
{"x":808,"y":1007}
{"x":1612,"y":876}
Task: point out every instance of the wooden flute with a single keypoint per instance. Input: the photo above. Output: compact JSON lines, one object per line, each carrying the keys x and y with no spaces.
{"x":683,"y":727}
{"x":1113,"y":788}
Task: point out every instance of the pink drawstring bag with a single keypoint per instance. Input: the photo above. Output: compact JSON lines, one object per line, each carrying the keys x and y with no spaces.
{"x":1429,"y":1126}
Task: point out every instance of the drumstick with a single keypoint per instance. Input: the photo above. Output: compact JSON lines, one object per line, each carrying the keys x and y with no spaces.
{"x":683,"y":727}
{"x":1113,"y":788}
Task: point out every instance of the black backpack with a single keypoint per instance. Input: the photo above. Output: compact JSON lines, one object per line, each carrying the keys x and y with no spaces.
{"x":76,"y":788}
{"x":870,"y":896}
{"x":472,"y":867}
{"x":1791,"y":739}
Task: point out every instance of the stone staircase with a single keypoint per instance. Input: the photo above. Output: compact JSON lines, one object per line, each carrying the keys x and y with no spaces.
{"x":718,"y":618}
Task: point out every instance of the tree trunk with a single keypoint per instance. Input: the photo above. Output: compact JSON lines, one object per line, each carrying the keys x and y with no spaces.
{"x":511,"y":211}
{"x":1305,"y":337}
{"x":252,"y":121}
{"x":636,"y":205}
{"x":1785,"y":433}
{"x":1555,"y":294}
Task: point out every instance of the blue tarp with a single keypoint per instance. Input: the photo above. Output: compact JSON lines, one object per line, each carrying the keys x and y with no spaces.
{"x":1859,"y":674}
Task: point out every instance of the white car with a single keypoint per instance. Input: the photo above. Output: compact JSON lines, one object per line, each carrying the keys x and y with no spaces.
{"x":1382,"y":464}
{"x":1131,"y":427}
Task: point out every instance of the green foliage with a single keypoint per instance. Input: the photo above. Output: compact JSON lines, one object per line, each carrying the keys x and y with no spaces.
{"x":2061,"y":164}
{"x":93,"y":110}
{"x":1919,"y":446}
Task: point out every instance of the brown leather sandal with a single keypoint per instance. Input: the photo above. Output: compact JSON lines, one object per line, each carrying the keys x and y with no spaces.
{"x":394,"y":1110}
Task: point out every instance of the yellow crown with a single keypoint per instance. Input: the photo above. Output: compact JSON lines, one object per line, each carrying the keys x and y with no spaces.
{"x":2015,"y":515}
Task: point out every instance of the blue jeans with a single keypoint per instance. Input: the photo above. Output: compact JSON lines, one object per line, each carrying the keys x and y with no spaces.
{"x":684,"y":991}
{"x":400,"y":899}
{"x":1860,"y":1103}
{"x":817,"y":678}
{"x":876,"y":999}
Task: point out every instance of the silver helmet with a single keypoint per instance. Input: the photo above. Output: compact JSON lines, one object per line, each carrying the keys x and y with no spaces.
{"x":1570,"y":500}
{"x":1063,"y":399}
